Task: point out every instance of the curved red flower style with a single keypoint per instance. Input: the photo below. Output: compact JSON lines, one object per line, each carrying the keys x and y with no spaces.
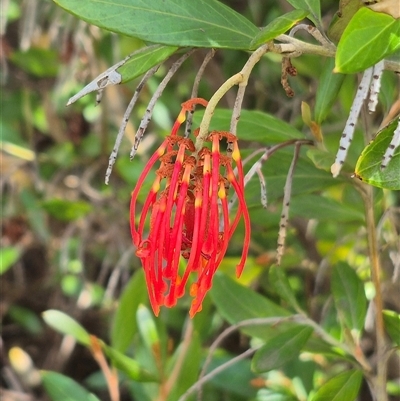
{"x":187,"y":211}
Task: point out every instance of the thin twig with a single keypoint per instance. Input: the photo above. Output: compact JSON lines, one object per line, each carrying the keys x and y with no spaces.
{"x":302,"y":47}
{"x":263,"y":188}
{"x":267,"y":153}
{"x":239,"y":78}
{"x":195,"y":89}
{"x":375,"y":86}
{"x":348,"y":131}
{"x":222,"y":336}
{"x":299,"y":318}
{"x":287,"y":193}
{"x":299,"y":46}
{"x":149,"y":111}
{"x":109,"y":77}
{"x":127,"y":114}
{"x":312,"y":30}
{"x":381,"y":346}
{"x":116,"y":274}
{"x":216,"y":371}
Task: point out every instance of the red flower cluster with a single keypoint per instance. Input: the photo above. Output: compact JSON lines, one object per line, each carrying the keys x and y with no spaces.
{"x":187,"y":212}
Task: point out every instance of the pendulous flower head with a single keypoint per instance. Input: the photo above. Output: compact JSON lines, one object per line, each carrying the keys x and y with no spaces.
{"x":184,"y":226}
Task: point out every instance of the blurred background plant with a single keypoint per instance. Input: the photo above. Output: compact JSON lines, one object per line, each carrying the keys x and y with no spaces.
{"x":66,"y":244}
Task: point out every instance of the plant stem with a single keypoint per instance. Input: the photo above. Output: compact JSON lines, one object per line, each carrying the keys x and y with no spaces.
{"x":241,"y":78}
{"x":110,"y":374}
{"x":167,"y":385}
{"x":380,"y":379}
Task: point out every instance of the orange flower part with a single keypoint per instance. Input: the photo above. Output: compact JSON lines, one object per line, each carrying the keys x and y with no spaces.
{"x":184,"y":228}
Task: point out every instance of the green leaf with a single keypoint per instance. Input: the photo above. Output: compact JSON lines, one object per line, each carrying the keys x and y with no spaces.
{"x":368,"y":167}
{"x":281,"y":349}
{"x":147,"y":327}
{"x":368,"y":38}
{"x":349,"y":295}
{"x":322,"y":159}
{"x":237,"y":303}
{"x":128,"y":365}
{"x":63,"y":388}
{"x":392,"y":325}
{"x":26,"y":319}
{"x":280,"y":283}
{"x":313,"y":6}
{"x":124,"y":325}
{"x":42,"y":63}
{"x":143,"y":61}
{"x":278,"y":26}
{"x":8,"y":256}
{"x":64,"y":324}
{"x":36,"y":215}
{"x":253,"y":125}
{"x":236,"y":380}
{"x":66,"y":210}
{"x":327,"y":92}
{"x":203,"y":23}
{"x":343,"y":387}
{"x":324,"y":209}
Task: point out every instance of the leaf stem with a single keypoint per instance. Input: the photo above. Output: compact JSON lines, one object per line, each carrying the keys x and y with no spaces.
{"x":241,"y":79}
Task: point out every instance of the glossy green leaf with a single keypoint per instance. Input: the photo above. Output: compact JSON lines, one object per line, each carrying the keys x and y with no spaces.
{"x":66,"y":210}
{"x":313,"y":6}
{"x":278,"y":26}
{"x":343,"y":387}
{"x":327,"y":92}
{"x":392,"y":325}
{"x":143,"y":61}
{"x":127,"y":365}
{"x":8,"y":256}
{"x":236,"y":303}
{"x":63,"y":388}
{"x":349,"y":295}
{"x":203,"y":23}
{"x":280,"y":283}
{"x":64,"y":324}
{"x":368,"y":38}
{"x":124,"y":325}
{"x":253,"y":125}
{"x":368,"y":167}
{"x":324,"y":209}
{"x":281,"y":349}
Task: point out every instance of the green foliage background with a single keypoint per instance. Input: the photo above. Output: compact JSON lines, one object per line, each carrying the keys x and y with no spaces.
{"x":68,"y":267}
